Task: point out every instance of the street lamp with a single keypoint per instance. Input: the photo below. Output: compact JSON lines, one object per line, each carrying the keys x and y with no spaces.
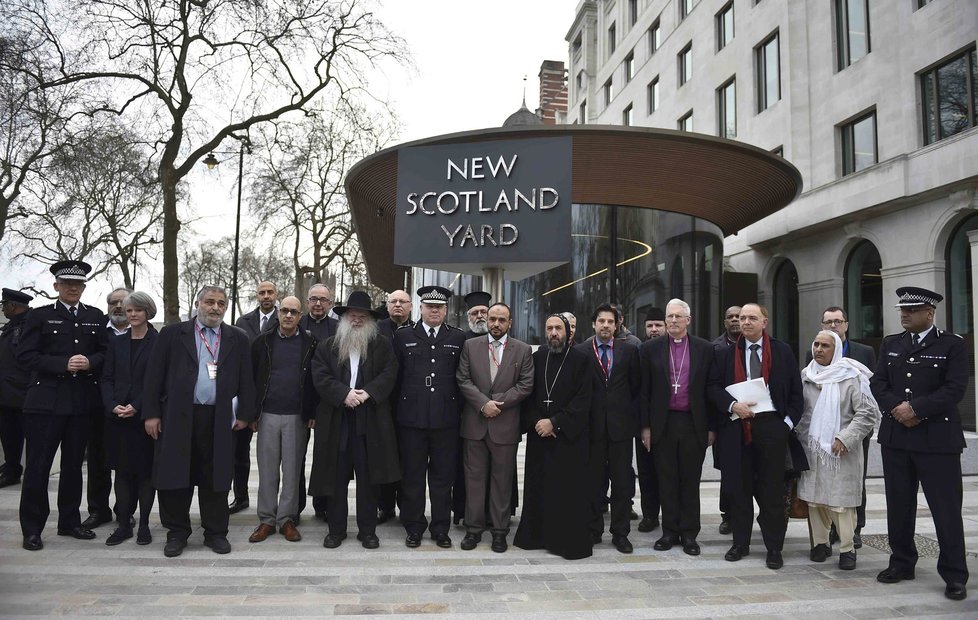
{"x":212,"y":162}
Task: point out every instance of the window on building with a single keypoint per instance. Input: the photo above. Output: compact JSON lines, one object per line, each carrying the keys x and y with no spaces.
{"x":629,"y":66}
{"x":921,"y":4}
{"x":627,"y":117}
{"x":653,"y":94}
{"x":632,"y":12}
{"x":576,"y":45}
{"x":685,"y":8}
{"x":686,"y":122}
{"x":727,"y":109}
{"x":725,"y":25}
{"x":612,"y":38}
{"x":685,"y":62}
{"x":859,"y":144}
{"x":786,"y":307}
{"x":851,"y":31}
{"x":959,"y":301}
{"x":950,"y":97}
{"x":580,"y":82}
{"x":768,"y":60}
{"x":655,"y":37}
{"x":582,"y":113}
{"x":864,"y":292}
{"x":608,"y":92}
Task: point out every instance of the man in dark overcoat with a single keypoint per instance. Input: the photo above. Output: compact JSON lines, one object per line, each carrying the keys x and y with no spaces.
{"x":354,"y":373}
{"x":63,"y":345}
{"x":198,"y":389}
{"x":14,"y":379}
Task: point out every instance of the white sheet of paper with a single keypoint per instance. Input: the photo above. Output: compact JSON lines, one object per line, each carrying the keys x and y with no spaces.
{"x":234,"y":411}
{"x":753,"y":390}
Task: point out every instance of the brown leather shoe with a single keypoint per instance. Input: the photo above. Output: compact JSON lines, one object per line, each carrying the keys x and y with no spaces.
{"x":290,"y":532}
{"x":261,"y":532}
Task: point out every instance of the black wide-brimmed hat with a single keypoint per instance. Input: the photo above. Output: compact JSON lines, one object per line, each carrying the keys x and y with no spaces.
{"x":358,"y":300}
{"x":434,"y":294}
{"x":911,"y":296}
{"x":16,"y":297}
{"x":477,"y":298}
{"x":71,"y":270}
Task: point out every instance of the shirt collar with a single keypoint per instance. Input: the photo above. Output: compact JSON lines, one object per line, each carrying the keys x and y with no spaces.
{"x":924,"y":333}
{"x":502,"y":339}
{"x":430,"y":327}
{"x":283,"y":336}
{"x":67,"y":307}
{"x":602,"y":342}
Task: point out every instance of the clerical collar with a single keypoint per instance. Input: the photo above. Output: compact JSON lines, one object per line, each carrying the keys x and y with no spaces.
{"x":320,"y":320}
{"x":679,"y":340}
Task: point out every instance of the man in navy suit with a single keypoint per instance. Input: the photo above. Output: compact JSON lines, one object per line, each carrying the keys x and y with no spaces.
{"x":753,"y":443}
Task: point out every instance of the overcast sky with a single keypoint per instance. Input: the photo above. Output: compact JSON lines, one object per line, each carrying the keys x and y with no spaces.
{"x":470,"y":60}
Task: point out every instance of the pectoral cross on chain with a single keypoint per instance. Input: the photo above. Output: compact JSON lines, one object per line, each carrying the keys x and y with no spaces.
{"x":675,"y":387}
{"x":547,"y":403}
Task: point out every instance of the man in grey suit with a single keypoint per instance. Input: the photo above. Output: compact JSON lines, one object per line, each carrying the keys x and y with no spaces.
{"x":495,"y":374}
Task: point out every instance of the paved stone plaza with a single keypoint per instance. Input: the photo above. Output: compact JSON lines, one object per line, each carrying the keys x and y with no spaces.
{"x":278,"y":578}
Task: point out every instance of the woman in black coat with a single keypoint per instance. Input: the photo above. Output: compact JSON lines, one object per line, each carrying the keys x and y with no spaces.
{"x":129,"y":450}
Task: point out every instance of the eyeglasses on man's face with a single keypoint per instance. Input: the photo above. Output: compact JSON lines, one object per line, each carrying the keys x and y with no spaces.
{"x":834,"y":322}
{"x":320,"y":300}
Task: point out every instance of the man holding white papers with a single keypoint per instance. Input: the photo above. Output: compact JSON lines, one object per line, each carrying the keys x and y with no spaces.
{"x":753,"y":446}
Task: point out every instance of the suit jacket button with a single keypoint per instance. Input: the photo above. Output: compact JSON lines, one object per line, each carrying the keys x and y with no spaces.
{"x":432,"y":389}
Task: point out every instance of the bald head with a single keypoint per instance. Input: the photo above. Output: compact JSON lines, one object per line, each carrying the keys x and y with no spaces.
{"x":267,"y":296}
{"x":289,"y":313}
{"x":399,"y":306}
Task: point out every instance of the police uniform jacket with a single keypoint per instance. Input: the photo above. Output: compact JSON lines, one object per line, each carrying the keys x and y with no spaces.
{"x":932,"y":376}
{"x":51,"y":336}
{"x":251,"y":323}
{"x":14,"y":376}
{"x":428,"y":395}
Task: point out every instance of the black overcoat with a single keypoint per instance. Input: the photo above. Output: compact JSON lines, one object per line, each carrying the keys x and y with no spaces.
{"x":127,"y":446}
{"x":657,"y":386}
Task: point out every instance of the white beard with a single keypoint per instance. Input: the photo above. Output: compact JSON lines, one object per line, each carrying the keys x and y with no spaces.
{"x":479,"y":326}
{"x":349,"y":338}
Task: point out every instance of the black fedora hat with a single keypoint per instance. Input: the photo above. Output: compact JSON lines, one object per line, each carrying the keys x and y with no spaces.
{"x":358,"y":300}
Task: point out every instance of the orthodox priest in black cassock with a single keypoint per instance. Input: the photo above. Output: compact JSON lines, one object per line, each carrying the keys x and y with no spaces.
{"x":555,"y":418}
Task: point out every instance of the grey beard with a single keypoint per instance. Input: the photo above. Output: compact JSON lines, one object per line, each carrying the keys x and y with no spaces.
{"x":556,"y":348}
{"x":118,"y":320}
{"x":349,"y":338}
{"x":479,"y":327}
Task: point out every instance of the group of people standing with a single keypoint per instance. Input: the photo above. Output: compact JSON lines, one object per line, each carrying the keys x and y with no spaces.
{"x":415,"y":410}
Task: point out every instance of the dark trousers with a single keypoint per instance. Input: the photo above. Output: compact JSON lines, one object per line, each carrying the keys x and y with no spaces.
{"x":679,"y":462}
{"x":12,"y":440}
{"x":388,"y":496}
{"x":175,"y":503}
{"x":319,"y":502}
{"x":940,"y":477}
{"x":762,"y":478}
{"x":99,"y":475}
{"x":132,"y":490}
{"x":44,"y":434}
{"x":615,"y":458}
{"x":431,"y":453}
{"x":494,"y":463}
{"x":648,"y":481}
{"x":351,"y":460}
{"x":724,"y":503}
{"x":861,"y":509}
{"x":242,"y":462}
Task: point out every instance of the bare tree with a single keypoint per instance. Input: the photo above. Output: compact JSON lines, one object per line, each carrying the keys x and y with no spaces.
{"x":199,"y":72}
{"x":97,"y":200}
{"x":300,"y":181}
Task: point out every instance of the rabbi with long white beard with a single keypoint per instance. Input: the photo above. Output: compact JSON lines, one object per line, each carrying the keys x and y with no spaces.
{"x":354,"y":373}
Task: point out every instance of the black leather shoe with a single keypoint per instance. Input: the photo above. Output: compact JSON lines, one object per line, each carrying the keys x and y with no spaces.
{"x":499,"y":543}
{"x":96,"y":519}
{"x":735,"y":553}
{"x":774,"y":560}
{"x":218,"y":545}
{"x":81,"y":533}
{"x":622,"y":544}
{"x":383,"y":516}
{"x":144,"y":536}
{"x":457,"y":519}
{"x":332,"y":541}
{"x":857,"y":541}
{"x":595,"y":538}
{"x":237,"y":505}
{"x":413,"y":540}
{"x":471,"y":541}
{"x":847,"y":560}
{"x":834,"y":535}
{"x":442,"y":540}
{"x":33,"y":543}
{"x":893,"y":575}
{"x":174,"y":547}
{"x":820,"y":553}
{"x":8,"y":480}
{"x":648,"y":524}
{"x":632,"y":515}
{"x":956,"y":591}
{"x":118,"y":536}
{"x":369,"y":541}
{"x":667,"y":542}
{"x":690,"y":546}
{"x":724,"y":527}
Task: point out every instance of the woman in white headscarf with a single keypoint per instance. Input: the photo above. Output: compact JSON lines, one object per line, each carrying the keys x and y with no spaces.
{"x":839,"y":412}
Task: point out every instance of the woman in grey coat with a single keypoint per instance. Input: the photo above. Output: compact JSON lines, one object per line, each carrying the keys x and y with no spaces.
{"x":839,"y":412}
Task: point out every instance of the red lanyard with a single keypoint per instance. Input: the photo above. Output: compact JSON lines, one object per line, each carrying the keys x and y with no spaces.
{"x":492,"y":354}
{"x":217,"y":343}
{"x":611,"y":352}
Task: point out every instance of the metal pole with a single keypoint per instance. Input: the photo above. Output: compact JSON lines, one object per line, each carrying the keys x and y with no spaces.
{"x":237,"y":236}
